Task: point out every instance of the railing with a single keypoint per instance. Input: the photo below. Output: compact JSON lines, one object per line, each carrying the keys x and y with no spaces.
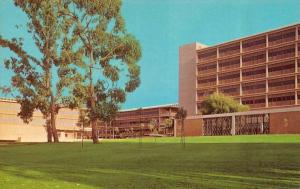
{"x":237,"y":125}
{"x":254,"y":44}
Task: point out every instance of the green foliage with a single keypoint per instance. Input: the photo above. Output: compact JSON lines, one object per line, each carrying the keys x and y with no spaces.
{"x":168,"y":122}
{"x":34,"y":77}
{"x":153,"y":126}
{"x":218,"y":103}
{"x":181,"y":113}
{"x":110,"y":56}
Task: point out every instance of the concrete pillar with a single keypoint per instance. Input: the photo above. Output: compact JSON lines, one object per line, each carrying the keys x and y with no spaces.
{"x":233,"y":125}
{"x":175,"y":128}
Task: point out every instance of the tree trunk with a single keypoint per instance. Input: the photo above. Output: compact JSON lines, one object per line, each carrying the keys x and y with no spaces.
{"x":93,"y":102}
{"x":49,"y":132}
{"x":53,"y":120}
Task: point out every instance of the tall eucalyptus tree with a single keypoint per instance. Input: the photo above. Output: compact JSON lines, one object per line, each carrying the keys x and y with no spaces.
{"x":45,"y":82}
{"x":110,"y":56}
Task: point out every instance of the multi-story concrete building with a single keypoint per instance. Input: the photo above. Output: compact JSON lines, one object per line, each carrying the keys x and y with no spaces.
{"x":138,"y":121}
{"x":261,"y":71}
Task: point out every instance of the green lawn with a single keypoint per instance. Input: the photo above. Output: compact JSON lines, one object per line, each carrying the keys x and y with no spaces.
{"x":269,"y":161}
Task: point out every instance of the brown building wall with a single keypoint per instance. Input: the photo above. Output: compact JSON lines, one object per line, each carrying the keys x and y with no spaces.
{"x":187,"y":77}
{"x":192,"y":127}
{"x":261,"y":70}
{"x":285,"y":123}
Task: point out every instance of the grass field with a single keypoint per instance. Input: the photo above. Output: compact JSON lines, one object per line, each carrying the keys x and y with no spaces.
{"x":269,"y":161}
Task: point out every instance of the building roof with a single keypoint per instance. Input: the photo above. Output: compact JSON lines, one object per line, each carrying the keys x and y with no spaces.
{"x":175,"y":105}
{"x":205,"y":47}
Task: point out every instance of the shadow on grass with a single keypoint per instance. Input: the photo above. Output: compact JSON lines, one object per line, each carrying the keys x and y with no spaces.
{"x":155,"y":165}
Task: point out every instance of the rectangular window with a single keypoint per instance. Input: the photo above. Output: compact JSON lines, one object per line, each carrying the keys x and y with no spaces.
{"x":203,"y":82}
{"x":283,"y":99}
{"x":282,"y":37}
{"x":232,"y":90}
{"x":229,"y":49}
{"x":207,"y":68}
{"x":206,"y":55}
{"x":281,"y":53}
{"x":254,"y":73}
{"x":251,"y":88}
{"x":256,"y":102}
{"x":282,"y":84}
{"x":255,"y":58}
{"x":282,"y":68}
{"x":228,"y":78}
{"x":229,"y":64}
{"x":256,"y":43}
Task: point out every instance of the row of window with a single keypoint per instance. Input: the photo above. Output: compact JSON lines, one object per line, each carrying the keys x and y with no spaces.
{"x":257,"y":58}
{"x":281,"y":98}
{"x":253,"y":87}
{"x":231,"y":90}
{"x":254,"y":101}
{"x":227,"y":50}
{"x":232,"y":76}
{"x":254,"y":44}
{"x":281,"y":37}
{"x":281,"y":82}
{"x":205,"y":55}
{"x":282,"y":66}
{"x":281,"y":53}
{"x":231,"y":62}
{"x":206,"y":67}
{"x":256,"y":73}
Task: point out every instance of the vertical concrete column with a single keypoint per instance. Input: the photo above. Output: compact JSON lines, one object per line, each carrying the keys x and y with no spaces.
{"x":296,"y":64}
{"x":241,"y":74}
{"x":267,"y":71}
{"x":217,"y":76}
{"x":175,"y":128}
{"x":188,"y":59}
{"x":233,"y":125}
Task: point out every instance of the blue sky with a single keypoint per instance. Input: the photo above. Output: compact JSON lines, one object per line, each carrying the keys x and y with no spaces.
{"x":163,"y":25}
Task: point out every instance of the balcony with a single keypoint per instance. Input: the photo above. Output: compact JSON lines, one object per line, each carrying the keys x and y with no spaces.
{"x":252,"y":88}
{"x":207,"y":68}
{"x":229,"y":50}
{"x":257,"y":102}
{"x":205,"y":82}
{"x":250,"y":74}
{"x":206,"y":55}
{"x":255,"y":58}
{"x":281,"y":53}
{"x":229,"y":64}
{"x":229,"y":78}
{"x":202,"y":94}
{"x":282,"y":37}
{"x":282,"y":68}
{"x":283,"y":99}
{"x":282,"y":84}
{"x":232,"y":90}
{"x":253,"y":44}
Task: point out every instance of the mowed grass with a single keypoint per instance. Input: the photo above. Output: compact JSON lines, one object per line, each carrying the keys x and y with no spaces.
{"x":266,"y":161}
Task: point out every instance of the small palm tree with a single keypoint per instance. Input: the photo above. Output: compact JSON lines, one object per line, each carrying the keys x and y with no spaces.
{"x":181,"y":115}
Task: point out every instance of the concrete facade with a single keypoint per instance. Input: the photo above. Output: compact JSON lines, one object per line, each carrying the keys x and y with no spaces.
{"x":187,"y":76}
{"x":12,"y":128}
{"x":261,"y":71}
{"x":280,"y":120}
